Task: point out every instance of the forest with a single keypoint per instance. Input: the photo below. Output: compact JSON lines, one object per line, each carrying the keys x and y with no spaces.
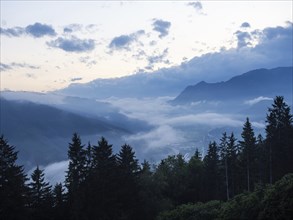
{"x":249,"y":178}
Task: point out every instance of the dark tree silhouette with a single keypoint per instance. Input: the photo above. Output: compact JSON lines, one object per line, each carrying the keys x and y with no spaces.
{"x":13,"y":191}
{"x":279,"y":139}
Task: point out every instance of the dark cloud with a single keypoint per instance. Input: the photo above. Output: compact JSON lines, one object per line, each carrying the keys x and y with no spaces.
{"x":36,"y":30}
{"x":6,"y":67}
{"x":124,"y":41}
{"x":39,"y":30}
{"x":73,"y":44}
{"x":162,"y":27}
{"x":197,"y":5}
{"x":245,"y":25}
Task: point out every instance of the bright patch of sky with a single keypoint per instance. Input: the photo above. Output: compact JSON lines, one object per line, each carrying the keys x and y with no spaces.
{"x":46,"y":45}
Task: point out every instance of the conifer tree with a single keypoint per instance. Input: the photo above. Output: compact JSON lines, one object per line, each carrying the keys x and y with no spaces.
{"x":233,"y":165}
{"x":59,"y":207}
{"x":75,"y":176}
{"x":248,"y":147}
{"x":41,"y":195}
{"x":128,"y":178}
{"x":224,"y":159}
{"x":13,"y":191}
{"x":279,"y":139}
{"x":211,"y":165}
{"x":101,"y":192}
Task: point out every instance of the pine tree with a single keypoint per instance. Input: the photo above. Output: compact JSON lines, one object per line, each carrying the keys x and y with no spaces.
{"x":102,"y":183}
{"x":13,"y":191}
{"x":248,"y":147}
{"x":41,"y":195}
{"x":279,"y":139}
{"x":59,"y":207}
{"x":211,"y":165}
{"x":224,"y":160}
{"x":75,"y":176}
{"x":195,"y":171}
{"x":233,"y":165}
{"x":128,"y":178}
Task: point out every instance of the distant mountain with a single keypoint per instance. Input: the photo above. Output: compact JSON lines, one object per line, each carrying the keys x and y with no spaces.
{"x":41,"y":133}
{"x":250,"y":85}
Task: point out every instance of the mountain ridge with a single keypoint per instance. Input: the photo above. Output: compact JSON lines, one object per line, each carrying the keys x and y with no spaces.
{"x":249,"y":85}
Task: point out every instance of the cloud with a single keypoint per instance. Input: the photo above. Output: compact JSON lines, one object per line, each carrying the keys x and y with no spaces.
{"x":162,"y":27}
{"x":271,"y":47}
{"x":13,"y":65}
{"x":72,"y":28}
{"x":158,"y":59}
{"x":36,"y":30}
{"x":73,"y":44}
{"x":75,"y":79}
{"x":197,"y":5}
{"x":5,"y":67}
{"x":245,"y":25}
{"x":161,"y":137}
{"x":12,"y":32}
{"x":88,"y":61}
{"x":257,"y":100}
{"x":124,"y":41}
{"x":243,"y":39}
{"x":39,"y":30}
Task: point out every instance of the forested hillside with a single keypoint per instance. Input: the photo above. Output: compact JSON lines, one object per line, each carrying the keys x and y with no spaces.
{"x":250,"y":178}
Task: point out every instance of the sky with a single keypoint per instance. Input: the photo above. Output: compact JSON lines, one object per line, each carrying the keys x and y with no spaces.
{"x":47,"y":45}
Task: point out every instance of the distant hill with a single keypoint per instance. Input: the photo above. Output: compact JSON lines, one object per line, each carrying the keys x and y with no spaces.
{"x":250,"y":85}
{"x":41,"y":133}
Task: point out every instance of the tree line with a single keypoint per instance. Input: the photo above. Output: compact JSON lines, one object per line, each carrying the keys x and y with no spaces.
{"x":102,"y":185}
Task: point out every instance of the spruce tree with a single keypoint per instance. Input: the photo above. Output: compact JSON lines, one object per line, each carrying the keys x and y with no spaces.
{"x":75,"y":176}
{"x":279,"y":139}
{"x":248,"y":148}
{"x":211,"y":167}
{"x":128,"y":178}
{"x":102,"y":185}
{"x":224,"y":161}
{"x":41,"y":195}
{"x":13,"y":191}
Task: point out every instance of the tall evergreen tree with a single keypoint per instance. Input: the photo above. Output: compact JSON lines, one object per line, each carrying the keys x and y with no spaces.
{"x":128,"y":178}
{"x":195,"y":171}
{"x":224,"y":159}
{"x":41,"y":195}
{"x":233,"y":165}
{"x":75,"y":176}
{"x":248,"y":147}
{"x":211,"y":166}
{"x":13,"y":191}
{"x":101,"y":192}
{"x":59,"y":207}
{"x":279,"y":139}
